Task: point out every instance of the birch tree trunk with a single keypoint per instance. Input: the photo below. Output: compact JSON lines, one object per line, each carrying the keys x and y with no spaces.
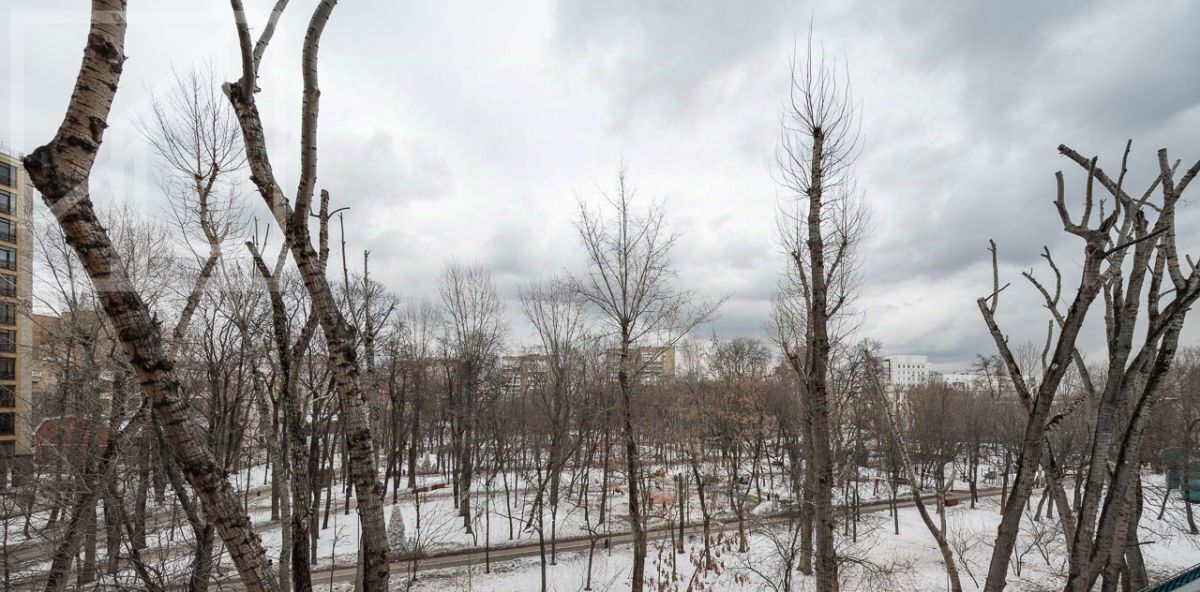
{"x":339,"y":334}
{"x":60,"y":171}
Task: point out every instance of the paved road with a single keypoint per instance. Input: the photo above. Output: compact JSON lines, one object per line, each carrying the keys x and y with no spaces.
{"x":475,"y":557}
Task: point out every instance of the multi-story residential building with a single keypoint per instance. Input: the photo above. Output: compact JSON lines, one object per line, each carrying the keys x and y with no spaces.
{"x":16,"y":274}
{"x":520,"y":374}
{"x":906,"y":371}
{"x":987,"y":380}
{"x":651,"y":365}
{"x":70,"y":368}
{"x":967,"y":381}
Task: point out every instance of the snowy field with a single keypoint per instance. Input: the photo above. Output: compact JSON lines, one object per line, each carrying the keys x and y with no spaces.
{"x":882,"y":560}
{"x":876,"y":557}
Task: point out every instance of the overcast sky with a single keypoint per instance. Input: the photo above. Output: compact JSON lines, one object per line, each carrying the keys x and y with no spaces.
{"x":469,"y":131}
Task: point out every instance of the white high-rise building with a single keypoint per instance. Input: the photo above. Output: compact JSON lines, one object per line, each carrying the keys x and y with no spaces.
{"x":907,"y":370}
{"x":963,"y":380}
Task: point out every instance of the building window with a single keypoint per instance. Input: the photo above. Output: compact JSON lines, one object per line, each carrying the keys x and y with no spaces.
{"x":8,"y":368}
{"x":8,"y":285}
{"x":8,"y":203}
{"x":8,"y":424}
{"x":8,"y":230}
{"x":8,"y":340}
{"x":8,"y":313}
{"x":8,"y":258}
{"x":8,"y":397}
{"x":6,"y":175}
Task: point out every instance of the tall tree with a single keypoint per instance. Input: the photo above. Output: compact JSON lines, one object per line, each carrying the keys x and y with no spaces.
{"x":629,"y":282}
{"x":557,"y":314}
{"x":293,"y":218}
{"x":474,"y":324}
{"x":817,"y":149}
{"x":195,"y":138}
{"x":1153,"y":287}
{"x":293,"y":441}
{"x":417,"y":346}
{"x":1108,"y":238}
{"x":60,"y":170}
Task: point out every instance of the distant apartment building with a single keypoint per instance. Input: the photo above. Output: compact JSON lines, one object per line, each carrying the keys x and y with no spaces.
{"x":988,"y":381}
{"x":961,"y":380}
{"x":16,"y":275}
{"x":906,"y":370}
{"x":71,"y":374}
{"x":996,"y":382}
{"x":909,"y":370}
{"x":651,"y":365}
{"x":521,"y":374}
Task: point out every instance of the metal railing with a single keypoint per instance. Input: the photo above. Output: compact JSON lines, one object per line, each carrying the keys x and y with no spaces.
{"x":9,"y":151}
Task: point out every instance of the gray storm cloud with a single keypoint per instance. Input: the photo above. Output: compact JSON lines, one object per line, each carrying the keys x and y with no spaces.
{"x":471,"y":133}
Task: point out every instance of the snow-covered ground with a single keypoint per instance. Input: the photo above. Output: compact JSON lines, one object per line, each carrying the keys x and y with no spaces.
{"x":882,"y":560}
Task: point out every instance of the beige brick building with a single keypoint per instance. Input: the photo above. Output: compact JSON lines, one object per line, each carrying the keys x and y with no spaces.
{"x":520,"y":374}
{"x":16,"y":275}
{"x":651,"y":365}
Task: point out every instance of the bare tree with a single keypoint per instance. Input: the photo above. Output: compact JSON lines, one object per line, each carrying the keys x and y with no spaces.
{"x":472,"y":313}
{"x":195,"y":137}
{"x":60,"y":170}
{"x":292,"y":217}
{"x":1111,"y":506}
{"x":293,"y":439}
{"x":629,"y":282}
{"x":817,"y":150}
{"x":789,"y":327}
{"x":737,"y":418}
{"x":1120,"y":232}
{"x":873,"y":370}
{"x":557,"y":314}
{"x":418,"y":343}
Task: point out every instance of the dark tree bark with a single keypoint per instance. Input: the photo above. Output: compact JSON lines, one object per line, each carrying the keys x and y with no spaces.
{"x":817,"y":148}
